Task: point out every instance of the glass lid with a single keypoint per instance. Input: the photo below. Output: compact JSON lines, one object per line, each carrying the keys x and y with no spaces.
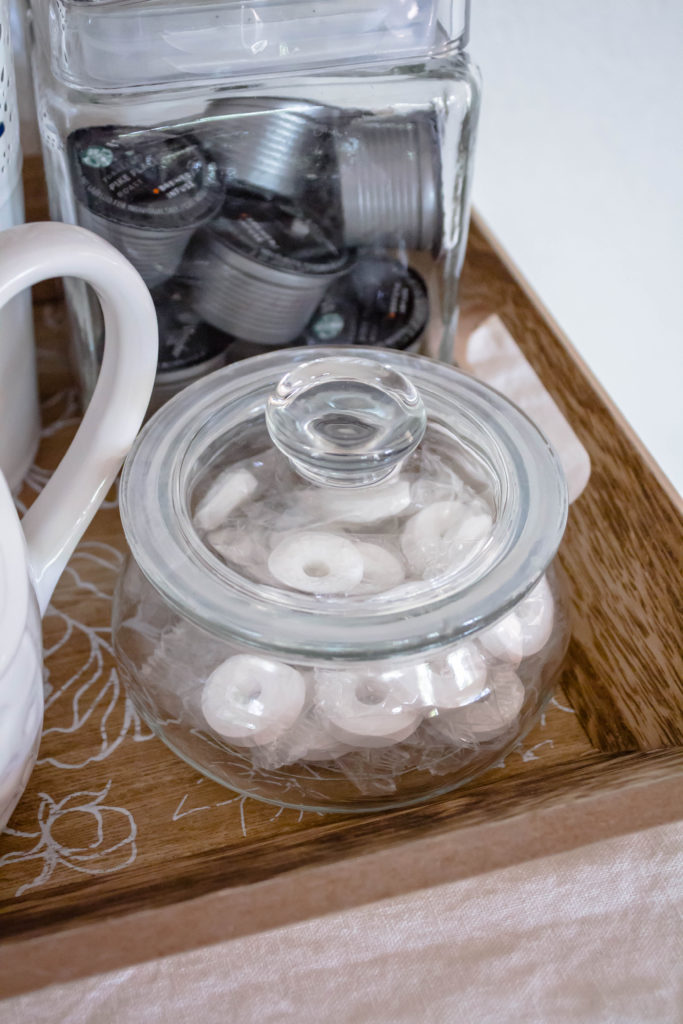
{"x":349,"y":505}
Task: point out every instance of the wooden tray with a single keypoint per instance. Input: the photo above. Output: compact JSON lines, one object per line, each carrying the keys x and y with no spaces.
{"x":119,"y":852}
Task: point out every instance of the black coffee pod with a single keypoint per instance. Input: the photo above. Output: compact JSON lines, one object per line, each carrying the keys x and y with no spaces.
{"x":184,"y":340}
{"x":238,"y":350}
{"x":188,"y":348}
{"x":168,"y":382}
{"x":144,"y":190}
{"x":261,"y":269}
{"x":380,"y":302}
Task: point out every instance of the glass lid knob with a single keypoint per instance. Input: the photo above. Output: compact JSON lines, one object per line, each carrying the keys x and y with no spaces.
{"x":344,"y":420}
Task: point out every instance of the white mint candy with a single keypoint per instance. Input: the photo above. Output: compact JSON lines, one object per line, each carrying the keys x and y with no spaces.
{"x":457,"y":679}
{"x":368,"y":708}
{"x":314,"y":742}
{"x":475,"y":527}
{"x":236,"y":546}
{"x":505,"y":640}
{"x":422,"y":540}
{"x":307,"y":740}
{"x":486,"y":718}
{"x":317,"y":563}
{"x":436,"y":536}
{"x":536,"y":615}
{"x":251,"y":700}
{"x":427,"y":490}
{"x":381,"y":569}
{"x":364,"y":504}
{"x":228,"y":491}
{"x":328,"y":752}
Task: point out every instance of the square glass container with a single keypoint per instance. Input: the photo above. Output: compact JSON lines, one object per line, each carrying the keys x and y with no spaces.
{"x":280,"y":173}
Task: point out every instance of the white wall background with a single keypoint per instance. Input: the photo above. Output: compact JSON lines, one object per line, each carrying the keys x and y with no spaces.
{"x":579,"y":173}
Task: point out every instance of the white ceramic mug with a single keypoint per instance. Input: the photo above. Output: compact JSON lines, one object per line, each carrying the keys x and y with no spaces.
{"x":33,"y":553}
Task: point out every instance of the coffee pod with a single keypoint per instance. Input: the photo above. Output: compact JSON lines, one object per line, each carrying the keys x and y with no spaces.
{"x":169,"y":383}
{"x":390,"y":182}
{"x":280,"y":146}
{"x":145,"y":190}
{"x":154,"y":254}
{"x":335,"y":321}
{"x":238,"y":350}
{"x":188,"y":348}
{"x":260,"y":270}
{"x":380,"y":302}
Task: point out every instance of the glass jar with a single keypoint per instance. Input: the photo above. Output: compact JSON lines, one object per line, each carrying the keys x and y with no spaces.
{"x":280,"y":172}
{"x":341,"y":593}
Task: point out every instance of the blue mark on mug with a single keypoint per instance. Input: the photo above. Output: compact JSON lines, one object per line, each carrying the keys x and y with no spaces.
{"x":2,"y":128}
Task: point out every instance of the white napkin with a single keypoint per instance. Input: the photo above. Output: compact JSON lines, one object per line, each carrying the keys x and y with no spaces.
{"x":590,"y":936}
{"x":492,"y":355}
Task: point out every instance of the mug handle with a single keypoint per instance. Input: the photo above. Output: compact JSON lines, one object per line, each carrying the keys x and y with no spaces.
{"x":60,"y":515}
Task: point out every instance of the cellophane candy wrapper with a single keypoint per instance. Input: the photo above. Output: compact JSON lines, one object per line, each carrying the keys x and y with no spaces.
{"x":367,"y":723}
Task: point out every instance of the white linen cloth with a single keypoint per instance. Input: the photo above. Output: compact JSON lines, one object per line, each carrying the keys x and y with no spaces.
{"x":592,"y":936}
{"x":493,"y":355}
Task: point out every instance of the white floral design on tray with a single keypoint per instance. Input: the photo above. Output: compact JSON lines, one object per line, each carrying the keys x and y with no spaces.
{"x":92,"y":696}
{"x":109,"y":832}
{"x":189,"y":805}
{"x":94,"y":690}
{"x":66,"y":405}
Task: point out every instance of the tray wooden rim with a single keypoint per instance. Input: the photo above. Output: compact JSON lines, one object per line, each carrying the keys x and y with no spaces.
{"x":617,"y":794}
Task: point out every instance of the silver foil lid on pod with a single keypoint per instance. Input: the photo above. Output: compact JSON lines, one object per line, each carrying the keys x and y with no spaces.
{"x":261,"y":269}
{"x":144,"y":190}
{"x":390,"y":182}
{"x":380,"y":302}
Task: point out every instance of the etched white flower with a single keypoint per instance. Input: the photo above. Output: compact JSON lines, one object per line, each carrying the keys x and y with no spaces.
{"x":81,"y":833}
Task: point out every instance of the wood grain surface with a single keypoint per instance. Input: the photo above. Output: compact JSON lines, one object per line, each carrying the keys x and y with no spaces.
{"x":119,"y":851}
{"x":623,"y":549}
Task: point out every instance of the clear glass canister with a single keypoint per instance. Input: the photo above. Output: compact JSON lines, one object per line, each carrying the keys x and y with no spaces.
{"x":342,"y":592}
{"x":280,"y":172}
